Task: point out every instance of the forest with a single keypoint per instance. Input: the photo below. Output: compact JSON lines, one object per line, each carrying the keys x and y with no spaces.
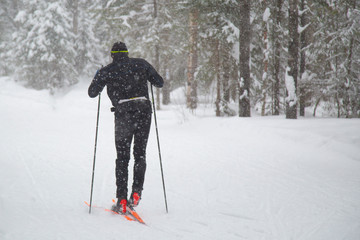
{"x":271,"y":57}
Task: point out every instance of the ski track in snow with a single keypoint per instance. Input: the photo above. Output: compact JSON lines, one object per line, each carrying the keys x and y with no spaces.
{"x":226,"y":178}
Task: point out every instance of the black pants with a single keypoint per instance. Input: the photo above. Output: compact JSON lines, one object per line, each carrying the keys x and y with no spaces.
{"x":128,"y":126}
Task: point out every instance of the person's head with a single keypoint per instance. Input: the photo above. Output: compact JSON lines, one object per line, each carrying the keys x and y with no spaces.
{"x":118,"y":48}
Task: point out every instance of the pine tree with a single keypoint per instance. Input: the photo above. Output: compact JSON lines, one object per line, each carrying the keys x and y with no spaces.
{"x":88,"y":54}
{"x":217,"y":34}
{"x":152,"y":30}
{"x":221,"y":34}
{"x":43,"y":48}
{"x":337,"y":28}
{"x":8,"y":11}
{"x":49,"y":44}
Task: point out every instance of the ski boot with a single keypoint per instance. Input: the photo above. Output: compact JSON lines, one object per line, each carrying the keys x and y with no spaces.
{"x":134,"y":199}
{"x":120,"y":206}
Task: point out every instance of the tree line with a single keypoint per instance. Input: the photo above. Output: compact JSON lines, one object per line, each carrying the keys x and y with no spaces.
{"x":272,"y":56}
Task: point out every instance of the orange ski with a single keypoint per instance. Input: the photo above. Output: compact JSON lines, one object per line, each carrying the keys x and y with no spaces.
{"x":133,"y":213}
{"x":108,"y":210}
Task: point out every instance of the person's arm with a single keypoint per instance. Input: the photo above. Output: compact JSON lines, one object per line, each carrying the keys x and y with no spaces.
{"x":97,"y":85}
{"x":155,"y":78}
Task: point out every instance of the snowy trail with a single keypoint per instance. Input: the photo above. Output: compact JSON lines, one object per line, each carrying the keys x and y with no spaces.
{"x":226,"y":178}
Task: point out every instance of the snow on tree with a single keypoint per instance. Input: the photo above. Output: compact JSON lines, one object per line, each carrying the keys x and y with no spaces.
{"x":49,"y":44}
{"x":268,"y":60}
{"x":43,"y":49}
{"x":152,"y":30}
{"x":87,"y":45}
{"x":212,"y":61}
{"x":336,"y":79}
{"x":8,"y":11}
{"x":292,"y":69}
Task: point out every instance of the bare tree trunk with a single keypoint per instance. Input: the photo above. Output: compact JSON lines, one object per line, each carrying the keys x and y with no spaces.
{"x":292,"y":71}
{"x":349,"y":106}
{"x":167,"y":87}
{"x":347,"y":84}
{"x":338,"y":105}
{"x":303,"y":44}
{"x":234,"y":83}
{"x":191,"y":93}
{"x":157,"y":63}
{"x":157,"y":55}
{"x":218,"y":78}
{"x":337,"y":96}
{"x":79,"y":63}
{"x":244,"y":98}
{"x":265,"y":61}
{"x":277,"y":61}
{"x":227,"y":85}
{"x":75,"y":16}
{"x":226,"y":73}
{"x":316,"y":105}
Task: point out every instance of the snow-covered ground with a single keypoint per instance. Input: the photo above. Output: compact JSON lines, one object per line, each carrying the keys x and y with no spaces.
{"x":226,"y":178}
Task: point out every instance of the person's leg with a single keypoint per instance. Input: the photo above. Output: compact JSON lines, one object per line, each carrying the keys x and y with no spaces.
{"x":140,"y":141}
{"x":123,"y":138}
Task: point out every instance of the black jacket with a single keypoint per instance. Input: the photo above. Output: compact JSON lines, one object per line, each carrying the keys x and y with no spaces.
{"x":125,"y":78}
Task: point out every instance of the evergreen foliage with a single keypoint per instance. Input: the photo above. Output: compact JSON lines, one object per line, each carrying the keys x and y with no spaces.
{"x":50,"y":44}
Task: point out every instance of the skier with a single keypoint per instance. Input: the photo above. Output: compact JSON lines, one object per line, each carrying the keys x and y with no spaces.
{"x":126,"y":80}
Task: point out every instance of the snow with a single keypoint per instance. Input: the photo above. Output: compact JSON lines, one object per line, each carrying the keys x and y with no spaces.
{"x":301,"y":29}
{"x":21,"y":17}
{"x":301,"y":12}
{"x":266,"y":14}
{"x":244,"y":95}
{"x":290,"y":86}
{"x":226,"y":178}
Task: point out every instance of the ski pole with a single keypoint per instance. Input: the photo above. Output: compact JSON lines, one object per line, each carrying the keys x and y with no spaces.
{"x":96,"y":135}
{"x":158,"y":142}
